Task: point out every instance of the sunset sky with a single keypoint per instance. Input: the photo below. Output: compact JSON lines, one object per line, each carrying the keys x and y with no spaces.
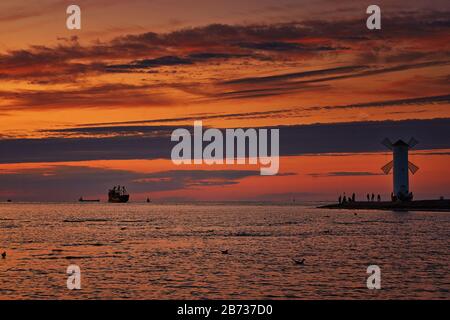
{"x":83,"y":110}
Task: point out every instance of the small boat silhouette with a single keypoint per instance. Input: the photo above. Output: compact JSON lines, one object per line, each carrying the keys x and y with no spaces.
{"x":88,"y":200}
{"x":299,"y":262}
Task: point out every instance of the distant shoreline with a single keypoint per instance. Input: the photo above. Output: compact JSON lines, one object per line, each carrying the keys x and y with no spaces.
{"x":418,"y":205}
{"x":312,"y":204}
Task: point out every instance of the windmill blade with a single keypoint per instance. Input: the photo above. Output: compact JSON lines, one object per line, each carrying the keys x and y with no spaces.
{"x":387,"y":167}
{"x":412,"y":167}
{"x":387,"y":143}
{"x":412,"y":142}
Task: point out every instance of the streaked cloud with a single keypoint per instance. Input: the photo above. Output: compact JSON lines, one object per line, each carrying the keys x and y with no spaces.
{"x":445,"y":99}
{"x":168,"y":61}
{"x":296,"y":75}
{"x":344,"y":174}
{"x":105,"y":95}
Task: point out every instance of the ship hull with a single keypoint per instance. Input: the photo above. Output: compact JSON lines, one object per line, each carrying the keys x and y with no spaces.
{"x":119,"y":199}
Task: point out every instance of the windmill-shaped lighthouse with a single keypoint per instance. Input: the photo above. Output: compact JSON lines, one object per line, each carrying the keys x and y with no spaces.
{"x":401,"y":166}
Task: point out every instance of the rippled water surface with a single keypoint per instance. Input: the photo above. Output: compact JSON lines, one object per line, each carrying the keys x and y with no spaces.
{"x":150,"y":251}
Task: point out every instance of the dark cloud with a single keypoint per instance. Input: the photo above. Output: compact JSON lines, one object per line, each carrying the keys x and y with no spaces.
{"x":362,"y":136}
{"x":378,"y":71}
{"x":203,"y":56}
{"x":59,"y":182}
{"x":106,"y":96}
{"x":151,"y":63}
{"x":148,"y":131}
{"x":296,"y":75}
{"x":227,"y":116}
{"x":197,"y":178}
{"x":344,"y":174}
{"x":437,"y":153}
{"x":289,"y":47}
{"x":141,"y":142}
{"x":347,"y":72}
{"x":387,"y":103}
{"x":281,"y":84}
{"x":400,"y":25}
{"x":265,"y":92}
{"x":169,"y":61}
{"x":79,"y":149}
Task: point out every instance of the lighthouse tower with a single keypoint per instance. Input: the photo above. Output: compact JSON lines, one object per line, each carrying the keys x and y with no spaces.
{"x":401,"y":167}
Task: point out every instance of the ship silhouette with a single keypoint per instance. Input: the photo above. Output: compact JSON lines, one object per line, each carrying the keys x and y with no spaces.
{"x":118,"y":195}
{"x":88,"y":200}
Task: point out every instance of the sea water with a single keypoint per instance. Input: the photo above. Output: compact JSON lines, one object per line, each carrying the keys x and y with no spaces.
{"x":174,"y":251}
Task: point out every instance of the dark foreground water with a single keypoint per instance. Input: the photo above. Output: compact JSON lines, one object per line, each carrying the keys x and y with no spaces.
{"x":142,"y":251}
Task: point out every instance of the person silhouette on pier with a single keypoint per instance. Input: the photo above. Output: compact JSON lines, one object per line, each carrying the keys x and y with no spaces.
{"x":340,"y":199}
{"x":379,"y":198}
{"x":368,"y":197}
{"x":353,"y":197}
{"x":373,"y":197}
